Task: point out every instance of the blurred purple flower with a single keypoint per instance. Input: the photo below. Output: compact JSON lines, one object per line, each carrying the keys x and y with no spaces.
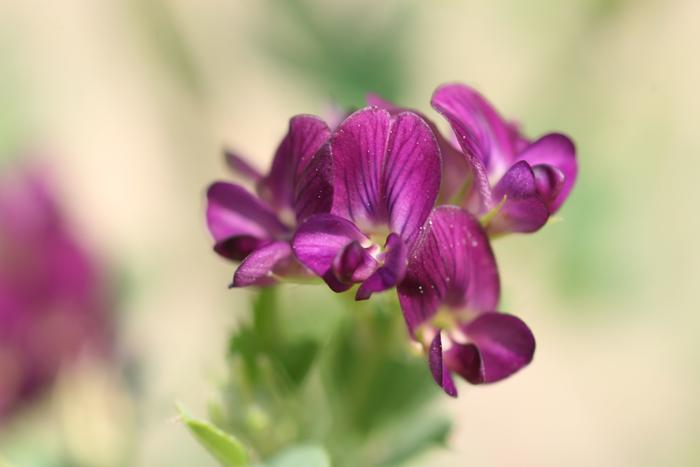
{"x":256,"y":230}
{"x":449,"y":299}
{"x":53,"y":301}
{"x":386,"y":176}
{"x":523,"y":182}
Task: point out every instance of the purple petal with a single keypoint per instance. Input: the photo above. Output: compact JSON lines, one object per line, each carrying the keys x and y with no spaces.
{"x":517,"y":139}
{"x":238,"y":247}
{"x":524,"y":210}
{"x":412,"y":174}
{"x":456,"y":103}
{"x":313,"y":189}
{"x":354,"y":264}
{"x":386,"y":170}
{"x":305,"y":137}
{"x":358,"y":148}
{"x":500,"y":344}
{"x":376,"y":100}
{"x":318,"y":242}
{"x":456,"y":169}
{"x":440,"y":371}
{"x":453,"y":265}
{"x":241,"y":167}
{"x":258,"y":267}
{"x":480,"y":129}
{"x":558,"y":151}
{"x":548,"y":181}
{"x":390,"y":273}
{"x":238,"y":220}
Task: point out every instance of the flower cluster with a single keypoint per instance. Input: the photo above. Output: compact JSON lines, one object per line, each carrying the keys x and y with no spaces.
{"x":385,"y":201}
{"x":54,"y":305}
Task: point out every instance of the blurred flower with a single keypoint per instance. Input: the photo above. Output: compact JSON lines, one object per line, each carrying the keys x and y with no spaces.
{"x":53,"y":305}
{"x":386,"y":176}
{"x":256,"y":229}
{"x":521,"y":182}
{"x":449,"y":298}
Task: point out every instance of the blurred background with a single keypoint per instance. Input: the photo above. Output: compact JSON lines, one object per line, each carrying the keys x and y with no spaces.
{"x":127,"y":106}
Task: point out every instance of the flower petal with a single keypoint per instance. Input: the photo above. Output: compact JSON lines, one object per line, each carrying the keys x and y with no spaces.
{"x":241,"y":167}
{"x":318,"y":242}
{"x":376,"y":100}
{"x":440,"y":371}
{"x":500,"y":344}
{"x":238,"y":247}
{"x":390,"y":273}
{"x":412,"y":174}
{"x":558,"y":151}
{"x":238,"y":220}
{"x":523,"y":210}
{"x":548,"y":181}
{"x":257,"y":268}
{"x":456,"y":104}
{"x":453,"y":265}
{"x":313,"y":189}
{"x":480,"y":129}
{"x":305,"y":137}
{"x":354,"y":264}
{"x":386,"y":170}
{"x":456,"y":169}
{"x":358,"y":148}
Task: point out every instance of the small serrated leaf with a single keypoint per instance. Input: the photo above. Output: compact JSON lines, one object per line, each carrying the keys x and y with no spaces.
{"x":225,"y":448}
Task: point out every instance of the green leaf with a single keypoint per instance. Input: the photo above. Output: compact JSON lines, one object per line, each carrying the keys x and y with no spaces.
{"x":301,"y":456}
{"x":224,"y":447}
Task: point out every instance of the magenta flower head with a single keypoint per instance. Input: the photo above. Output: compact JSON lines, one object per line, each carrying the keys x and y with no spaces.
{"x":449,"y":298}
{"x":257,"y":229}
{"x":386,"y":177}
{"x":54,"y":304}
{"x":520,"y":181}
{"x":357,"y":206}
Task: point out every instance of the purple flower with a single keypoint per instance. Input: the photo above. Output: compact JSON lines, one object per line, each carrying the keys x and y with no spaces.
{"x":53,"y":301}
{"x":521,"y":182}
{"x":449,"y":296}
{"x":257,"y":229}
{"x":386,"y":177}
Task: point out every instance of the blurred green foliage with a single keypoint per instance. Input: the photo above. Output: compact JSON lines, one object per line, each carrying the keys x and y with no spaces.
{"x":340,"y":49}
{"x":301,"y":456}
{"x":351,"y":384}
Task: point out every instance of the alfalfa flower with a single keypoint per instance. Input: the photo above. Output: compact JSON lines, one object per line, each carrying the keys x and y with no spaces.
{"x":449,"y":298}
{"x":520,"y":182}
{"x":256,"y":229}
